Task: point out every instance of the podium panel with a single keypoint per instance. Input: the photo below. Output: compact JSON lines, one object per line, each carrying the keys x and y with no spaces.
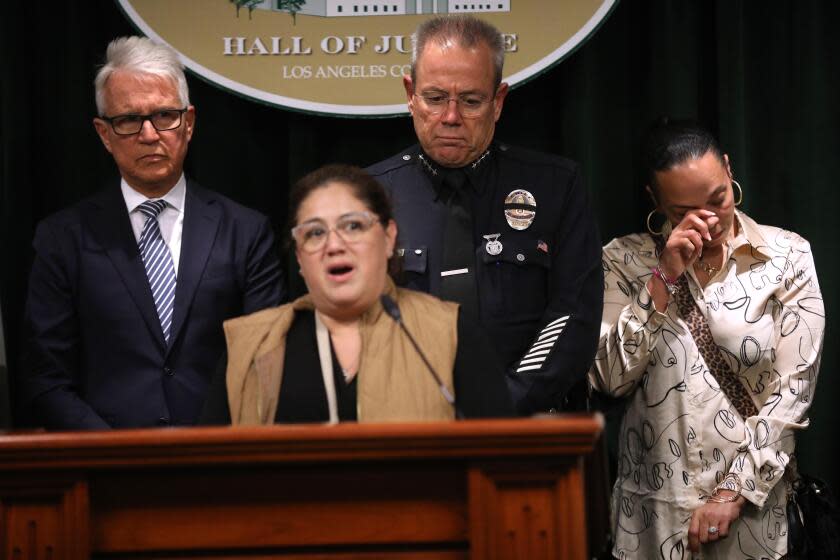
{"x":475,"y":489}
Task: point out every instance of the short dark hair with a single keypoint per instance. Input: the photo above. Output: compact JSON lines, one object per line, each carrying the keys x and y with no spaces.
{"x":670,"y":142}
{"x":365,"y":188}
{"x":466,"y":31}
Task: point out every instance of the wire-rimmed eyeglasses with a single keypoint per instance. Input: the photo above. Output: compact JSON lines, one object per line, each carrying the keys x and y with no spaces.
{"x":470,"y":105}
{"x":311,"y":236}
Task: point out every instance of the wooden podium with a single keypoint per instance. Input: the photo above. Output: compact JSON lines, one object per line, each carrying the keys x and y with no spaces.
{"x":479,"y":489}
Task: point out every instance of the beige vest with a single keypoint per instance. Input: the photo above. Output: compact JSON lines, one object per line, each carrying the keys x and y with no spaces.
{"x":393,"y":383}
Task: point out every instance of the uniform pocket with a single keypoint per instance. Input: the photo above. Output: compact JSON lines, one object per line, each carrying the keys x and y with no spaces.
{"x":515,"y":282}
{"x":411,"y":268}
{"x":415,"y":259}
{"x":522,"y":252}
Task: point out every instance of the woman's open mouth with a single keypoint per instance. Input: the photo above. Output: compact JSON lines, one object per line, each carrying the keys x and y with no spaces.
{"x":340,"y":272}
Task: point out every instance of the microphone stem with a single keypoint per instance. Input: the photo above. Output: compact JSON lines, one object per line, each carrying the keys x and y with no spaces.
{"x":393,"y":311}
{"x":447,"y":394}
{"x":443,"y":387}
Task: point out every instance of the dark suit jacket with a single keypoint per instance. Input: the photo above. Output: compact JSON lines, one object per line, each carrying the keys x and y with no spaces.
{"x":96,"y":356}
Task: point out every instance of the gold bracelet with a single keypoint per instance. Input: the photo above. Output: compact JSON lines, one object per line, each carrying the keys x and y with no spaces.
{"x":731,"y":482}
{"x":718,"y":499}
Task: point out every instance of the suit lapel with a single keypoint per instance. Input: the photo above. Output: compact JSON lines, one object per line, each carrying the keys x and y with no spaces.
{"x":109,"y":223}
{"x":201,"y":222}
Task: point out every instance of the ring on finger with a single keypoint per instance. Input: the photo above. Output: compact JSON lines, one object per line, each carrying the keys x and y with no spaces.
{"x":713,"y":530}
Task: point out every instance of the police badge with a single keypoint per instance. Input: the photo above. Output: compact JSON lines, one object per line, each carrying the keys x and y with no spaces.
{"x":520,"y":209}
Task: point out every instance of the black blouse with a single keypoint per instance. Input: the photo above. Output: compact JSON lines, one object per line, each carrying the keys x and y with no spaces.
{"x":303,"y":397}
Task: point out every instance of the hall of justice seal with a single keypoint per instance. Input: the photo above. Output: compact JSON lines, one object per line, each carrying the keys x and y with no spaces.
{"x":493,"y":246}
{"x":520,"y":209}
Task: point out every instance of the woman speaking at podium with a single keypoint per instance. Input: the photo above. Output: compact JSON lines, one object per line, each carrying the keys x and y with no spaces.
{"x":336,"y":354}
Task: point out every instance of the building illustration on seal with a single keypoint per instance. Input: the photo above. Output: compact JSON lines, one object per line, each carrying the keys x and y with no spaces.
{"x":339,"y":8}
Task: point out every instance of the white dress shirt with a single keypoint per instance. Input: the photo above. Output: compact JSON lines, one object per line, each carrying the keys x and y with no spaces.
{"x":170,"y":219}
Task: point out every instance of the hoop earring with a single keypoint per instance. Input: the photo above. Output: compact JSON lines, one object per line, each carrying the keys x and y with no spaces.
{"x":647,"y":222}
{"x":740,"y":192}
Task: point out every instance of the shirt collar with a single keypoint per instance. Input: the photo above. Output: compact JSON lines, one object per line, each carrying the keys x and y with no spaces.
{"x":473,"y":171}
{"x":174,"y":198}
{"x":749,"y":234}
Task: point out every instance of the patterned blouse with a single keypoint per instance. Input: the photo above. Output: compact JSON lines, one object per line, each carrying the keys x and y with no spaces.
{"x":680,"y":434}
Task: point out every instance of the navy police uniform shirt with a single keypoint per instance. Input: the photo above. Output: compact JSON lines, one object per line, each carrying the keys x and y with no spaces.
{"x":539,"y":281}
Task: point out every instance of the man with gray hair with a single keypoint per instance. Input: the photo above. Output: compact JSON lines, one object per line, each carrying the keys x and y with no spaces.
{"x":129,"y":288}
{"x":505,"y":232}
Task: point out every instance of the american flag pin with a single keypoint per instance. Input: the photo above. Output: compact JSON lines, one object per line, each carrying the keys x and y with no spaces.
{"x":542,"y":246}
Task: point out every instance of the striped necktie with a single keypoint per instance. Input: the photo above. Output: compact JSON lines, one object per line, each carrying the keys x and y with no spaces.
{"x":158,"y":262}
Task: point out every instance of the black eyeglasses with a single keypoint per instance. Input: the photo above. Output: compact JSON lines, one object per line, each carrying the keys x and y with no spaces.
{"x":126,"y":125}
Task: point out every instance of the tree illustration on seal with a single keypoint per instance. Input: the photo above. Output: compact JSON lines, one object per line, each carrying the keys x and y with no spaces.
{"x":250,"y":4}
{"x":291,"y":6}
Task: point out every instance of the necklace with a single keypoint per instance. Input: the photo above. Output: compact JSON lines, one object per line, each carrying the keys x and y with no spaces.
{"x":706,"y":267}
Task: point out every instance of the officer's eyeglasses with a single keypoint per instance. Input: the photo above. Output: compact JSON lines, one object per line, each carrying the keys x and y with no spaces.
{"x":126,"y":125}
{"x":470,"y":105}
{"x":311,"y":236}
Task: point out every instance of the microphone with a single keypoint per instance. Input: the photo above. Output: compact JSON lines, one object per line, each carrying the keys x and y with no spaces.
{"x":393,"y":311}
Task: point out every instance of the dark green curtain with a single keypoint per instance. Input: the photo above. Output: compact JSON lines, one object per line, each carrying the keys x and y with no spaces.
{"x":765,"y":76}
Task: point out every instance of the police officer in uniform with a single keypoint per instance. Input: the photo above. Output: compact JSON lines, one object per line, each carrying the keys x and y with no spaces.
{"x":504,"y":231}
